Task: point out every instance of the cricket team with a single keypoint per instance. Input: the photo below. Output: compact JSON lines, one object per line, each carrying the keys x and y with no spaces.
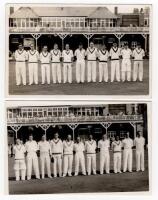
{"x":62,"y":62}
{"x":62,"y":153}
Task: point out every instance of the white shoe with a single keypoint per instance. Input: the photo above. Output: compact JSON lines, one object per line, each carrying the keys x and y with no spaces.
{"x":70,"y":175}
{"x":49,"y":176}
{"x":75,"y":174}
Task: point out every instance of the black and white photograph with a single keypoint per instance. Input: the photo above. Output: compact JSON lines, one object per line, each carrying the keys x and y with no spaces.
{"x":78,"y":49}
{"x":77,"y":148}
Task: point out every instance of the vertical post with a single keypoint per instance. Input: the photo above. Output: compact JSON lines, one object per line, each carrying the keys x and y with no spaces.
{"x":16,"y":134}
{"x":73,"y":134}
{"x":134,"y":130}
{"x":62,"y":44}
{"x":119,"y":44}
{"x":36,"y":43}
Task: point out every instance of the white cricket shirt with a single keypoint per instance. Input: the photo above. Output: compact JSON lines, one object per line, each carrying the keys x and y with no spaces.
{"x":103,"y":55}
{"x":20,"y":55}
{"x":55,"y":55}
{"x":90,"y":146}
{"x":33,"y":56}
{"x":127,"y":143}
{"x":44,"y":147}
{"x":68,"y":147}
{"x":92,"y":54}
{"x":56,"y":146}
{"x":31,"y":146}
{"x":80,"y":55}
{"x":104,"y":146}
{"x":126,"y":53}
{"x":19,"y":151}
{"x":45,"y":57}
{"x":67,"y":56}
{"x":114,"y":53}
{"x":79,"y":147}
{"x":117,"y":146}
{"x":138,"y":54}
{"x":139,"y":143}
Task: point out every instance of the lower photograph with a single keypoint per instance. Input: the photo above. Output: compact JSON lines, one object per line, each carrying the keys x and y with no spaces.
{"x":77,"y":148}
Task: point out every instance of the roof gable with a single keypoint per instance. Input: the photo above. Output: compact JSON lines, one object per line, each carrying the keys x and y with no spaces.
{"x":102,"y":12}
{"x":24,"y":12}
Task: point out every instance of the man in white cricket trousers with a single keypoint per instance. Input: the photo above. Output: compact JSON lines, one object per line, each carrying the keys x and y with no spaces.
{"x":103,"y":65}
{"x":80,"y":64}
{"x":79,"y":156}
{"x":20,"y":66}
{"x":19,"y":163}
{"x":57,"y":154}
{"x":117,"y":154}
{"x":114,"y":56}
{"x":138,"y":56}
{"x":67,"y":156}
{"x":45,"y":65}
{"x":90,"y":149}
{"x":127,"y":144}
{"x":92,"y":54}
{"x":32,"y":159}
{"x":103,"y":146}
{"x":126,"y":54}
{"x":56,"y":65}
{"x":33,"y":58}
{"x":45,"y":153}
{"x":139,"y":142}
{"x":67,"y":56}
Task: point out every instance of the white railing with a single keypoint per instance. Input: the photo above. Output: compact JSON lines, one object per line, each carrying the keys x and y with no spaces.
{"x":77,"y":29}
{"x":66,"y":119}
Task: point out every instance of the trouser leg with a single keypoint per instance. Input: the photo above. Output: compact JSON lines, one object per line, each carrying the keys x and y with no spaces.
{"x":59,"y":72}
{"x":82,"y":72}
{"x":115,"y":162}
{"x":65,"y":163}
{"x":119,"y":162}
{"x":65,"y":72}
{"x":55,"y":166}
{"x":94,"y":69}
{"x":16,"y":170}
{"x":54,"y":72}
{"x":112,"y":70}
{"x":105,"y":71}
{"x":35,"y":72}
{"x":48,"y":73}
{"x":29,"y":167}
{"x":42,"y":162}
{"x":43,"y":74}
{"x":30,"y":67}
{"x":88,"y":164}
{"x":48,"y":165}
{"x":23,"y":73}
{"x":102,"y":163}
{"x":89,"y":71}
{"x":78,"y":72}
{"x":17,"y":175}
{"x":70,"y":160}
{"x":128,"y":63}
{"x":17,"y":72}
{"x":23,"y":174}
{"x":135,"y":70}
{"x":100,"y":72}
{"x":94,"y":164}
{"x":59,"y":161}
{"x":107,"y":163}
{"x":125,"y":156}
{"x":70,"y":73}
{"x":140,"y":70}
{"x":117,"y":70}
{"x":36,"y":166}
{"x":130,"y":161}
{"x":76,"y":164}
{"x":82,"y":161}
{"x":142,"y":160}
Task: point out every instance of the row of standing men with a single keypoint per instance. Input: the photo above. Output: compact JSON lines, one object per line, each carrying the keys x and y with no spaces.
{"x":54,"y":57}
{"x":60,"y":152}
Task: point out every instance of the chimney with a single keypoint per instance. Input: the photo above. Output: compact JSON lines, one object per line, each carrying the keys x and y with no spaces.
{"x":11,"y":10}
{"x":116,"y":10}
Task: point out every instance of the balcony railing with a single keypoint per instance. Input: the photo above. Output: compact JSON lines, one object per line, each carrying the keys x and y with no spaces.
{"x":80,"y":119}
{"x":78,"y":30}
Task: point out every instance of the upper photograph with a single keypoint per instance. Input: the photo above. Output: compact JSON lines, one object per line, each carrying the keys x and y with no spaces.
{"x":78,"y":50}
